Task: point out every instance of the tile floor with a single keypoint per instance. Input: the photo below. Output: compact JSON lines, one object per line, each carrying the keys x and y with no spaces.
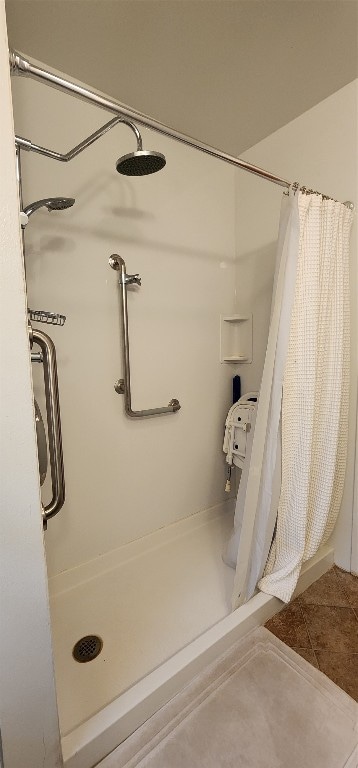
{"x":322,"y":626}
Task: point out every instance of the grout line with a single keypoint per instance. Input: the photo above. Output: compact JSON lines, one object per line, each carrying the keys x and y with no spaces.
{"x":344,"y":589}
{"x":346,"y":592}
{"x":306,"y":625}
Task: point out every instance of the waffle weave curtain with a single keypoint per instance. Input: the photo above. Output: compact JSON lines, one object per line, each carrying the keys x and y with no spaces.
{"x":299,"y":451}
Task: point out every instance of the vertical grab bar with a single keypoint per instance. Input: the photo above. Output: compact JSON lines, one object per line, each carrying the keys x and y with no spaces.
{"x":123,"y":386}
{"x":48,"y":351}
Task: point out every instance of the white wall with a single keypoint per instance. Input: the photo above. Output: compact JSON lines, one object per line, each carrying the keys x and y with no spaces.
{"x":318,"y":149}
{"x":28,"y":711}
{"x":125,"y":478}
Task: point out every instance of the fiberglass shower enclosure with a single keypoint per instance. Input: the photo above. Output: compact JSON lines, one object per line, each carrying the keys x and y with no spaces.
{"x":134,"y":555}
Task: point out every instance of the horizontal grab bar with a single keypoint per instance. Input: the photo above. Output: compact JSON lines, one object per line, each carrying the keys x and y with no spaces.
{"x":123,"y":386}
{"x":173,"y":406}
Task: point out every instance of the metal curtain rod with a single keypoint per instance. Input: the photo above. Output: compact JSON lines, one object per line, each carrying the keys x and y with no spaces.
{"x":21,"y":66}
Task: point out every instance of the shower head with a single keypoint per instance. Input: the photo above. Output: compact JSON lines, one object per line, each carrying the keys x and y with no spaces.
{"x":60,"y":203}
{"x":51,"y":203}
{"x":140,"y":163}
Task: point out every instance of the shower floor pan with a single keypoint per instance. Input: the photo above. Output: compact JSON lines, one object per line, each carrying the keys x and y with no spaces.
{"x":161,"y":607}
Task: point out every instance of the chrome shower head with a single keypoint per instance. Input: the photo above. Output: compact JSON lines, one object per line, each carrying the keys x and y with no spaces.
{"x":51,"y":203}
{"x":60,"y":203}
{"x":140,"y":163}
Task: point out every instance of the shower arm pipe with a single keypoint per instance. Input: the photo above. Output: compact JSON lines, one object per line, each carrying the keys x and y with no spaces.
{"x":22,"y":143}
{"x":123,"y":386}
{"x":19,"y":65}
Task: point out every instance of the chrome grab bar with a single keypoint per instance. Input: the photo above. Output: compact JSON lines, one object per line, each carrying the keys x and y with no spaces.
{"x":123,"y":386}
{"x":48,"y":352}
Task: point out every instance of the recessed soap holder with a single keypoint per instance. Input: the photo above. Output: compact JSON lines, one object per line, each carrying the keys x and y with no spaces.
{"x":236,"y":339}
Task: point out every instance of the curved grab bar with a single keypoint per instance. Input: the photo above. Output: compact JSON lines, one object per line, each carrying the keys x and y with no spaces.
{"x":48,"y":351}
{"x":123,"y":386}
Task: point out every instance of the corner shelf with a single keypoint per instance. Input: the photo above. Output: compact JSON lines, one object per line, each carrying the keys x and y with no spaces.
{"x":236,"y":339}
{"x":235,"y":359}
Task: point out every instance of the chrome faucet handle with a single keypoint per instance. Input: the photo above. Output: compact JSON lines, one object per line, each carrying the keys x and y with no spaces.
{"x":132,"y":280}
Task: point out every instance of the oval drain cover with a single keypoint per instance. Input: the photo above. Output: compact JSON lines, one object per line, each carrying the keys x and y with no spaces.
{"x":87,"y":648}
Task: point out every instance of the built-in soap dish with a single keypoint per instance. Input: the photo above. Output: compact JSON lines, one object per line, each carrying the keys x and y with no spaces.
{"x":236,"y":339}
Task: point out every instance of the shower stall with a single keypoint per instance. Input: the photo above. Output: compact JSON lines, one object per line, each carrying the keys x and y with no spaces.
{"x":145,"y":268}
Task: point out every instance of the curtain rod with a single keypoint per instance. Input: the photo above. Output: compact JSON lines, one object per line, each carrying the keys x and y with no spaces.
{"x":21,"y":66}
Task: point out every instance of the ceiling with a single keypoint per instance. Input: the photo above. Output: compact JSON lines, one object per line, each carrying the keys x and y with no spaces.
{"x":227,"y":72}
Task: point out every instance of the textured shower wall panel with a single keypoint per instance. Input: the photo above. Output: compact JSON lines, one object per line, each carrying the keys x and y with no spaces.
{"x":319,"y":149}
{"x":125,"y":478}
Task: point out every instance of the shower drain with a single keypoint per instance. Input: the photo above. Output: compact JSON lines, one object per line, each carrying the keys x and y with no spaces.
{"x":87,"y":648}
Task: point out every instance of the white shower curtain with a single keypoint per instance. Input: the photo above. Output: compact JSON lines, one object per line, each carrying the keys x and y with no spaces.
{"x":290,"y":505}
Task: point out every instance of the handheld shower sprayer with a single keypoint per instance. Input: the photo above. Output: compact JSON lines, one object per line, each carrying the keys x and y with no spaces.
{"x":51,"y":203}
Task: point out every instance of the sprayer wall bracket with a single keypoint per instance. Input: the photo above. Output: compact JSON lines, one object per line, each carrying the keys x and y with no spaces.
{"x":24,"y":219}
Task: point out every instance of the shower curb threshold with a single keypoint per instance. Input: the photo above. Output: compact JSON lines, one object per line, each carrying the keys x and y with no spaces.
{"x":93,"y":740}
